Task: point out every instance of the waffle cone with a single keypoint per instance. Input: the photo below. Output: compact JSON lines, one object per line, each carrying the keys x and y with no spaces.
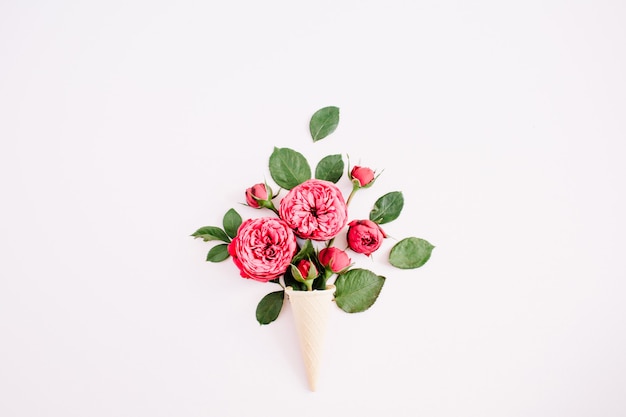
{"x":310,"y":311}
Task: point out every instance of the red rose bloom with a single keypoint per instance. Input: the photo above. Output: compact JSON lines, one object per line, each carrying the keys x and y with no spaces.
{"x":314,"y":210}
{"x":335,"y":259}
{"x":263,"y":248}
{"x":365,"y":236}
{"x":363,"y":175}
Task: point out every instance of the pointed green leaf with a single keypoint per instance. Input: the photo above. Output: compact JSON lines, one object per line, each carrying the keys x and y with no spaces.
{"x":269,"y":307}
{"x":357,"y":290}
{"x":211,"y":233}
{"x":305,"y":252}
{"x":387,"y":207}
{"x":218,"y":253}
{"x":410,"y":253}
{"x":330,"y":168}
{"x":324,"y":122}
{"x":289,"y":168}
{"x":232,"y":221}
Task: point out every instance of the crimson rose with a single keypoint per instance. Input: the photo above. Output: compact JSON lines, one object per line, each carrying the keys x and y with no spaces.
{"x":263,"y":248}
{"x":334,"y":258}
{"x":314,"y":209}
{"x":365,"y":236}
{"x":363,"y":175}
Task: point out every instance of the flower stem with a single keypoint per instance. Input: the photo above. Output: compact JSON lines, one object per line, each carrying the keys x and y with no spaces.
{"x":355,"y":188}
{"x":327,"y":274}
{"x":268,"y":204}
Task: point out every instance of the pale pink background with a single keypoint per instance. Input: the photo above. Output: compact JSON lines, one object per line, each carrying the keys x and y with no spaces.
{"x":125,"y":125}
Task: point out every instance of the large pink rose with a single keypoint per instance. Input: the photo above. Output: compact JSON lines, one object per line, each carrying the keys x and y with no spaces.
{"x":314,"y":210}
{"x":263,"y":248}
{"x":365,"y":236}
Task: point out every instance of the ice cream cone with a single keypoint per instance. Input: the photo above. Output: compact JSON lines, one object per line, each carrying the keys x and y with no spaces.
{"x":310,"y":312}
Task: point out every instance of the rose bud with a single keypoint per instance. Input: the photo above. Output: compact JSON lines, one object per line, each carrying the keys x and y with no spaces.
{"x":364,"y":176}
{"x":257,"y":193}
{"x":365,"y":236}
{"x":335,"y":259}
{"x":304,"y":272}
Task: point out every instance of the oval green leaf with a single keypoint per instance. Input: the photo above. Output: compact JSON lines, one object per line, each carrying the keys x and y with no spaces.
{"x":357,"y":290}
{"x":211,"y":233}
{"x":324,"y":122}
{"x":232,"y":221}
{"x":218,"y":253}
{"x":410,"y":253}
{"x":387,"y":207}
{"x":269,"y":307}
{"x":289,"y":168}
{"x":330,"y":168}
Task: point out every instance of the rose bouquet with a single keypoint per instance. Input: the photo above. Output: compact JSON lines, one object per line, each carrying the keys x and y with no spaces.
{"x":294,"y":245}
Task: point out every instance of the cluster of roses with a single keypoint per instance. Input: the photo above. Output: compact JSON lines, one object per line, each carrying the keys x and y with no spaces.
{"x":264,"y":247}
{"x":295,"y":247}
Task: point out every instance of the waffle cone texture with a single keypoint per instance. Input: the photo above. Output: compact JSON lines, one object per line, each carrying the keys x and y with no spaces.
{"x":310,"y":312}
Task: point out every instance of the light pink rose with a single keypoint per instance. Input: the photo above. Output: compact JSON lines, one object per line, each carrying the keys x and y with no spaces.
{"x":365,"y":236}
{"x":255,"y":193}
{"x":263,"y":248}
{"x":314,"y":210}
{"x":363,"y":175}
{"x":334,"y":258}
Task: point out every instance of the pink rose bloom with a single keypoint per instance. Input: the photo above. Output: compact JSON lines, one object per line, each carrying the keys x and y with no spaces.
{"x":334,"y":258}
{"x":363,"y":175}
{"x":365,"y":236}
{"x":263,"y":248}
{"x":255,"y":193}
{"x":314,"y":210}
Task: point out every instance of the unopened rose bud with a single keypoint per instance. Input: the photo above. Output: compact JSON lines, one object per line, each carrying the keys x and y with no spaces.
{"x":364,"y":176}
{"x":305,"y":271}
{"x":303,"y":268}
{"x":335,"y":259}
{"x":255,"y":194}
{"x":365,"y":236}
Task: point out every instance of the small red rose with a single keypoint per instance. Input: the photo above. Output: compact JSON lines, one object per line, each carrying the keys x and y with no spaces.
{"x":335,"y":259}
{"x":363,"y":175}
{"x":365,"y":236}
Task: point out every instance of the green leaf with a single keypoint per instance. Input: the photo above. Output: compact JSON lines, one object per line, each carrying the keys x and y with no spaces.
{"x":324,"y":122}
{"x":330,"y":168}
{"x":357,"y":290}
{"x":211,"y":233}
{"x":218,"y":253}
{"x":410,"y":253}
{"x":387,"y":207}
{"x":232,"y":221}
{"x":269,"y":307}
{"x":289,"y":168}
{"x":306,"y":252}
